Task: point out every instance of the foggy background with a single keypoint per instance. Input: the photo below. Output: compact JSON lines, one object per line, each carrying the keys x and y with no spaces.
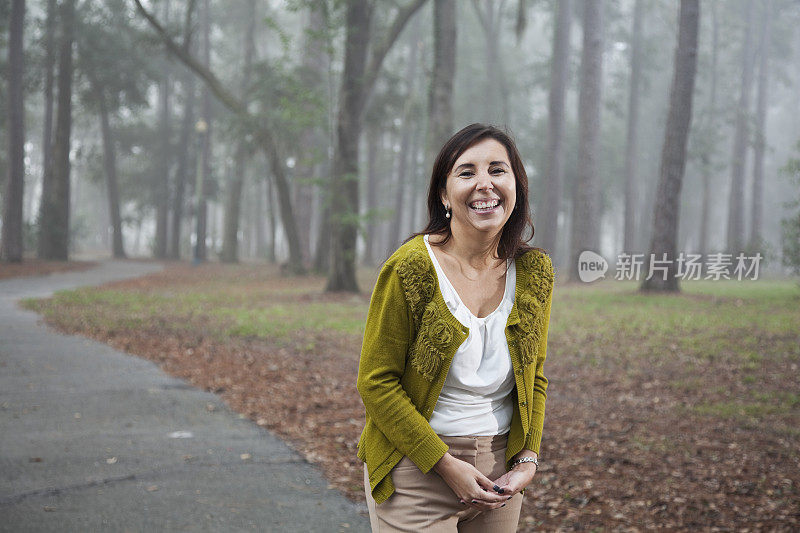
{"x":256,"y":149}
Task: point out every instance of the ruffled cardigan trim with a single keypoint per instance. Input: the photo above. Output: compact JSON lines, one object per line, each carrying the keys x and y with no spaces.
{"x":435,"y":328}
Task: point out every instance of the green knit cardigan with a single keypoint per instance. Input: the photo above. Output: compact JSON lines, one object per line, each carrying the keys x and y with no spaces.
{"x":410,"y":339}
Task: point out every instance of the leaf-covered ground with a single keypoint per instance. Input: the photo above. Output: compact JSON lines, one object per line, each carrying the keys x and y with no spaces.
{"x":671,"y":412}
{"x":37,"y":267}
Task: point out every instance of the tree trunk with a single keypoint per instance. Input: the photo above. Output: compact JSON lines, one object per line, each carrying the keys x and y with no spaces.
{"x":110,"y":166}
{"x":440,"y":95}
{"x":212,"y":235}
{"x":185,"y":160}
{"x":201,"y":208}
{"x":585,"y":218}
{"x":284,"y":199}
{"x":554,"y":175}
{"x":137,"y":238}
{"x":233,"y":201}
{"x":161,"y":188}
{"x":344,"y":190}
{"x":260,"y":193}
{"x":49,"y":67}
{"x":405,"y":158}
{"x":705,"y":162}
{"x":186,"y":163}
{"x":632,"y":144}
{"x":760,"y":126}
{"x":419,"y":196}
{"x":247,"y":248}
{"x":371,"y":233}
{"x":385,"y":183}
{"x":358,"y":80}
{"x":417,"y":147}
{"x":273,"y":230}
{"x":740,"y":138}
{"x":673,"y":155}
{"x":54,"y":206}
{"x":710,"y":126}
{"x":322,"y":254}
{"x":316,"y":63}
{"x":491,"y":21}
{"x":11,"y":241}
{"x":401,"y":185}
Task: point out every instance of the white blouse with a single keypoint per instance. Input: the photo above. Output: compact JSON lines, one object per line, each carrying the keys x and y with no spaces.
{"x":476,"y":397}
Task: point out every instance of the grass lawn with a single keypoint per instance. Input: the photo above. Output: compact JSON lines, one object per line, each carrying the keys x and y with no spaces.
{"x":672,"y":411}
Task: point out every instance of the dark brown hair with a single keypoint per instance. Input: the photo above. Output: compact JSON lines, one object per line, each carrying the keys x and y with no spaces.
{"x":512,"y":243}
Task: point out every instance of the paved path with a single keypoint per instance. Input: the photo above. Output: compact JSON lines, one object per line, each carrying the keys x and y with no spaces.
{"x":94,"y":439}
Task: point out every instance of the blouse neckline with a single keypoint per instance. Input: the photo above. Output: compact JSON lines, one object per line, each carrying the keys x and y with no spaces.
{"x":459,"y":301}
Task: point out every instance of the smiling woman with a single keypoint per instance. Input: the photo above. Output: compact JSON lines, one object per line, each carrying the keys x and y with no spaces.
{"x":481,"y":190}
{"x":481,"y":162}
{"x":454,"y":346}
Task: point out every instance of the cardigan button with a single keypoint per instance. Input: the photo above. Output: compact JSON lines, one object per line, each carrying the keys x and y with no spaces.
{"x":523,"y":402}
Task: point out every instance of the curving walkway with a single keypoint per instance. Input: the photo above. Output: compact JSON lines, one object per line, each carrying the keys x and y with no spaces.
{"x":94,"y":439}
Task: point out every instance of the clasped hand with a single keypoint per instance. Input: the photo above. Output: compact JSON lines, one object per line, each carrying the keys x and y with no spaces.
{"x":478,"y":491}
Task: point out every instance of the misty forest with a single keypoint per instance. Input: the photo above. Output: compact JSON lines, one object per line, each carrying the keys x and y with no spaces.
{"x":303,"y":133}
{"x":242,"y":169}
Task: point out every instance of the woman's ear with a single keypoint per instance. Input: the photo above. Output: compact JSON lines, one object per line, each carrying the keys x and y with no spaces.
{"x":443,"y":197}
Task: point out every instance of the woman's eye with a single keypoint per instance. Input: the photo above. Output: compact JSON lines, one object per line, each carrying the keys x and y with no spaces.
{"x":470,"y":173}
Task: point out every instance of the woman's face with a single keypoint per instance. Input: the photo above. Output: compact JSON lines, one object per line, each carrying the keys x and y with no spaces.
{"x":481,"y":188}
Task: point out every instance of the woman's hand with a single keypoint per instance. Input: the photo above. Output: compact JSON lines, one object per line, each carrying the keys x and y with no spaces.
{"x":516,"y":479}
{"x":467,"y":482}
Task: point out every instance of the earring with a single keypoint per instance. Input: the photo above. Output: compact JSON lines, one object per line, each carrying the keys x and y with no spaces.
{"x":447,"y":211}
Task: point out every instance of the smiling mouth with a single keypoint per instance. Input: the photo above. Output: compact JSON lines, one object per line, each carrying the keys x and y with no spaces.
{"x":484,"y":206}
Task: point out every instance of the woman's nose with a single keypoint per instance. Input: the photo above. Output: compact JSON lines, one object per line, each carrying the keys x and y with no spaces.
{"x":484,"y":181}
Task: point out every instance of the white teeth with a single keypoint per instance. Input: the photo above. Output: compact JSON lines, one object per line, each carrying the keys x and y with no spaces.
{"x":484,"y":205}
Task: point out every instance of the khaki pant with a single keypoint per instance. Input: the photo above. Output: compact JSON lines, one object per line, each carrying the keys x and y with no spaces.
{"x":425,"y":503}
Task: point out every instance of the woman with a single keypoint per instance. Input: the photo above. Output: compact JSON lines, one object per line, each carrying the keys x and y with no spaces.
{"x":455,"y":340}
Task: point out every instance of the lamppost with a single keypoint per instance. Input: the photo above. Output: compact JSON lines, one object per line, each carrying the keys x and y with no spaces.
{"x":201,"y":127}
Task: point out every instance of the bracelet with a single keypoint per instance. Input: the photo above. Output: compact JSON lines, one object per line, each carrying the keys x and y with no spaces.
{"x":521,"y":460}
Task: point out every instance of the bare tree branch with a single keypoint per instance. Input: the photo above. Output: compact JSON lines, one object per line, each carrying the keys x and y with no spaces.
{"x":522,"y":19}
{"x":380,"y":50}
{"x":187,"y":25}
{"x":227,"y":98}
